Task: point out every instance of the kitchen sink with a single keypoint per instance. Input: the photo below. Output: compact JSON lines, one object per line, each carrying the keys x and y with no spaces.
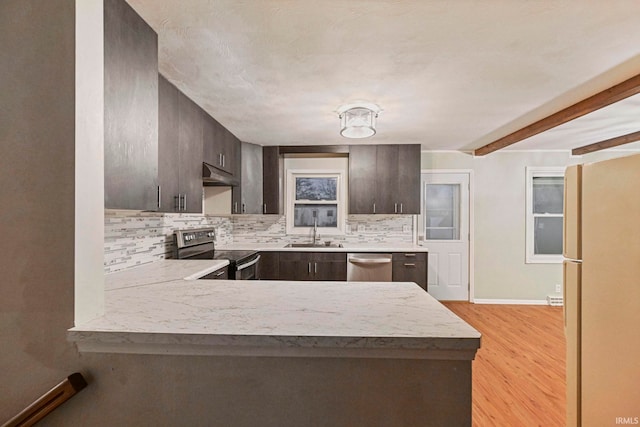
{"x":314,"y":245}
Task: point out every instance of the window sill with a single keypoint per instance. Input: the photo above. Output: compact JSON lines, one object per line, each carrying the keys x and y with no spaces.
{"x":549,"y":259}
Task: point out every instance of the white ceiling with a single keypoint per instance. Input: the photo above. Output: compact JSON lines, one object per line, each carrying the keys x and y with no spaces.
{"x":450,"y":75}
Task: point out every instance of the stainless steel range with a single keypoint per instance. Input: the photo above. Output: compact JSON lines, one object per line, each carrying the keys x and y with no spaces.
{"x":200,"y":244}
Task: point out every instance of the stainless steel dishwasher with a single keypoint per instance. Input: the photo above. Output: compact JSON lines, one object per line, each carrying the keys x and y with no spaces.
{"x":369,"y":267}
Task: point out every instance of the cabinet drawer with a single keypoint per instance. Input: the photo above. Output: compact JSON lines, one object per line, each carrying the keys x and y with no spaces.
{"x":410,"y":256}
{"x":220,"y":274}
{"x":410,"y":271}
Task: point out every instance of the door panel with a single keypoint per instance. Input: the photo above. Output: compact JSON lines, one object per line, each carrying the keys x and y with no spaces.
{"x":445,"y":226}
{"x":455,"y":269}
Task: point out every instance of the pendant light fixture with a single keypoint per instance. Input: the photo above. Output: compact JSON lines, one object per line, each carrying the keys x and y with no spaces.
{"x":358,"y":120}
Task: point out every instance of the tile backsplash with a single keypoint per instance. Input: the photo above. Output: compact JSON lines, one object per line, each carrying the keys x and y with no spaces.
{"x":360,"y":229}
{"x":132,"y":238}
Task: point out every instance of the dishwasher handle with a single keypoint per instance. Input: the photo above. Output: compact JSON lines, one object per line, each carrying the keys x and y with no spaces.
{"x":355,"y":259}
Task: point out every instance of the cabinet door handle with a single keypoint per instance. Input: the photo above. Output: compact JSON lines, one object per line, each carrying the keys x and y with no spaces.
{"x":309,"y":268}
{"x":184,"y":201}
{"x":223,"y":160}
{"x":409,"y":264}
{"x":243,"y":208}
{"x":315,"y":268}
{"x":159,"y":195}
{"x":264,"y":208}
{"x":220,"y":273}
{"x":374,"y":208}
{"x":235,"y":207}
{"x":410,"y":255}
{"x":400,"y":207}
{"x":395,"y":208}
{"x":176,"y":203}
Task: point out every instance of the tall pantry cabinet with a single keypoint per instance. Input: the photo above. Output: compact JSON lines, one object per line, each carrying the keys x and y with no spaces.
{"x":130,"y":109}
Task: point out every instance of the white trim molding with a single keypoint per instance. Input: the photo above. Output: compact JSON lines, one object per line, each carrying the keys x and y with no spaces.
{"x":511,"y":301}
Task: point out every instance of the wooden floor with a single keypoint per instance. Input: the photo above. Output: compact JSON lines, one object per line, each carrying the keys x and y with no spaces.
{"x":519,"y":371}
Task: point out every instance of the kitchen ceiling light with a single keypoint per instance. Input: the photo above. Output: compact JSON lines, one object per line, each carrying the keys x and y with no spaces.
{"x":358,"y":120}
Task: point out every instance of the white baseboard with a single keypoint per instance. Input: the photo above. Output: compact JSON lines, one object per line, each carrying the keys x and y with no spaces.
{"x":511,"y":301}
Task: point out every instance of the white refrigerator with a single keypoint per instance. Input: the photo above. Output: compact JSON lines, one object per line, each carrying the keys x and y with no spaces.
{"x":602,"y":292}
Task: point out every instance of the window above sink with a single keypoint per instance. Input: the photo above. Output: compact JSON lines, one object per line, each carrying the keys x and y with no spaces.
{"x":315,"y":198}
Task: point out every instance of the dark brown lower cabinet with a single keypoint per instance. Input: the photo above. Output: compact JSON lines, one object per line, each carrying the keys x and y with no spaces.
{"x":332,"y":266}
{"x":312,"y":266}
{"x":410,"y":267}
{"x":268,"y":268}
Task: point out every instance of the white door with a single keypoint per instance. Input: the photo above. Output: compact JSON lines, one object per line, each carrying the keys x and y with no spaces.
{"x":445,"y":225}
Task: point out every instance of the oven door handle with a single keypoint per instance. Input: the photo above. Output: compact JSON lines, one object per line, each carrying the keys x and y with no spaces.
{"x":249,"y":264}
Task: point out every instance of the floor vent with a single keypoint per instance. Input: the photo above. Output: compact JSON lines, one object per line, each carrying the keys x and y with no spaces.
{"x":555,"y":300}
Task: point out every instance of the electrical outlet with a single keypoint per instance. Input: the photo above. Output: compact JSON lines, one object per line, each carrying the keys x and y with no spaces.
{"x":558,"y":288}
{"x":406,"y":229}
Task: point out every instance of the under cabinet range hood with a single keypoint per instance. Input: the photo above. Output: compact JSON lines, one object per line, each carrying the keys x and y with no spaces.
{"x":211,"y":176}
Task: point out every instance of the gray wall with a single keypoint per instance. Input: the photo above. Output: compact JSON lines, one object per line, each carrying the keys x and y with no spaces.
{"x":37,"y":128}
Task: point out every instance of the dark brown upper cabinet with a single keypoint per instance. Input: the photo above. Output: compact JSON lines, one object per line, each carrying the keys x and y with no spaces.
{"x":221,"y":148}
{"x":180,"y":139}
{"x":273,"y":180}
{"x":247,"y":197}
{"x":130,"y":109}
{"x":384,"y":179}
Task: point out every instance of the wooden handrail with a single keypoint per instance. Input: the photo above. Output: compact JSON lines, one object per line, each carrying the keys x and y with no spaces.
{"x":48,"y":401}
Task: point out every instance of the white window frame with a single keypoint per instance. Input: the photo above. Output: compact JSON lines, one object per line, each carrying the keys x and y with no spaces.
{"x":290,"y":200}
{"x":538,"y":172}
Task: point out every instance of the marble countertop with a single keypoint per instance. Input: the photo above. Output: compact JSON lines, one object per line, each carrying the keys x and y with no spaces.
{"x":162,"y":271}
{"x":347,"y":247}
{"x":153,"y":310}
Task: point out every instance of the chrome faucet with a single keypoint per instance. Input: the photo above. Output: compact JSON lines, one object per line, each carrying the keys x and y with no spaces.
{"x":316,"y":236}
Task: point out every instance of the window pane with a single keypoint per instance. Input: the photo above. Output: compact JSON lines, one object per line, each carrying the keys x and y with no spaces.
{"x":548,"y":194}
{"x":304,"y":215}
{"x":316,"y":188}
{"x":440,"y":234}
{"x":442,"y":211}
{"x":547,"y":236}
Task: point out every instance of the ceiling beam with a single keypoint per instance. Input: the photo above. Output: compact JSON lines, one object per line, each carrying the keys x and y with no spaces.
{"x":608,"y":143}
{"x":601,"y":99}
